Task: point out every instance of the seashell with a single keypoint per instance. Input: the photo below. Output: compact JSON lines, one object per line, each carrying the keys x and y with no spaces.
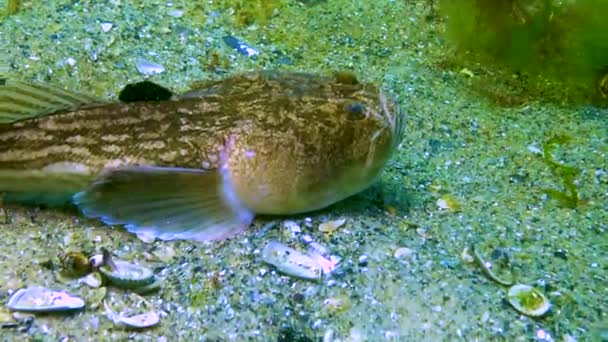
{"x":291,"y":262}
{"x":144,"y":320}
{"x":91,"y":280}
{"x":127,"y":275}
{"x":528,"y":300}
{"x":486,"y":268}
{"x":330,"y":226}
{"x":41,"y":299}
{"x":140,"y":321}
{"x":146,"y":67}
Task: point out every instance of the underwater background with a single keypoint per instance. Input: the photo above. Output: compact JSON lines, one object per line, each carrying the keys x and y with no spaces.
{"x":501,"y":177}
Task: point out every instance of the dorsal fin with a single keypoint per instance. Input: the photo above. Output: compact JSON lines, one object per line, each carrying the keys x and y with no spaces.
{"x":20,"y":100}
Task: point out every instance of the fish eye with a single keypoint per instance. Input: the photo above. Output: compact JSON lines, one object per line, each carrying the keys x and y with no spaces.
{"x":355,"y":110}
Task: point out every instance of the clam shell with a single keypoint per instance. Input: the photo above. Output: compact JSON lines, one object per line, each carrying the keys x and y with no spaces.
{"x":127,"y":275}
{"x":528,"y":300}
{"x":144,"y":320}
{"x":41,"y":299}
{"x":291,"y":262}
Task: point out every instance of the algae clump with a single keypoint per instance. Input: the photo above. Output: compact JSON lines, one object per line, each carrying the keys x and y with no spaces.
{"x":569,"y":198}
{"x":561,"y":41}
{"x":13,"y":6}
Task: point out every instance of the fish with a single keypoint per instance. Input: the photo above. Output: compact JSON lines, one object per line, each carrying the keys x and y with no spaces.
{"x":202,"y":164}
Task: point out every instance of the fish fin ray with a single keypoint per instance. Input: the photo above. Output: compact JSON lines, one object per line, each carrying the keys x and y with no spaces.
{"x":197,"y":207}
{"x":21,"y":100}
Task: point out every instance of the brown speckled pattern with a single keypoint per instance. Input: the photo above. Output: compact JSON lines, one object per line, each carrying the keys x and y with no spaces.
{"x":293,"y":144}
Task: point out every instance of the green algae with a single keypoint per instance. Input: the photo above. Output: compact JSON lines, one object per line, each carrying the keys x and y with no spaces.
{"x":559,"y":41}
{"x":570,"y":197}
{"x":13,"y":6}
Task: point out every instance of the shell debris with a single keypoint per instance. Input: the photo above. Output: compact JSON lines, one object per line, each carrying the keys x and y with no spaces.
{"x":528,"y":300}
{"x":330,"y":226}
{"x":146,"y":67}
{"x":140,"y":321}
{"x":292,"y":262}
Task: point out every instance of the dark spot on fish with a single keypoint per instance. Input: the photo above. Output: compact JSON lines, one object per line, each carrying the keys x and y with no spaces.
{"x":2,"y":81}
{"x":144,"y":91}
{"x":355,"y":110}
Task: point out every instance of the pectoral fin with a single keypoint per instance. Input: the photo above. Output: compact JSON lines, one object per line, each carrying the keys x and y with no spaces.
{"x":166,"y":203}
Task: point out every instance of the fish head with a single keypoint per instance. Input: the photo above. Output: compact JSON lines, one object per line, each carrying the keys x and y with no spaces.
{"x":322,"y":141}
{"x":378,"y":122}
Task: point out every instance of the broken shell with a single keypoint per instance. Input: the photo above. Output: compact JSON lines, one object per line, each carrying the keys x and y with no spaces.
{"x":74,"y":264}
{"x":92,"y":280}
{"x":330,"y":226}
{"x":145,"y":320}
{"x":127,"y":275}
{"x":448,"y":203}
{"x":41,"y":299}
{"x":146,"y":67}
{"x":528,"y":300}
{"x":291,"y":262}
{"x":486,"y":267}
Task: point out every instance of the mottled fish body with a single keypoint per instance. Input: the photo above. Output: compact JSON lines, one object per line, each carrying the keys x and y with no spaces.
{"x":199,"y":165}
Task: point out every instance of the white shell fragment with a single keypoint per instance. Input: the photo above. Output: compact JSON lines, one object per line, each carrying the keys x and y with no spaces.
{"x":330,"y":226}
{"x":41,"y":299}
{"x":291,"y":262}
{"x":148,"y":68}
{"x":145,"y":320}
{"x":528,"y":300}
{"x":91,"y":280}
{"x":321,"y":254}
